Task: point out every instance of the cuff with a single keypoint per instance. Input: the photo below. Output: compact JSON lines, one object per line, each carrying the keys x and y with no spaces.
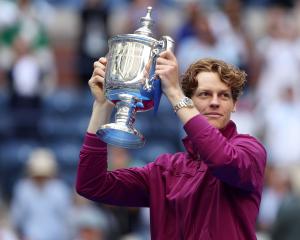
{"x":198,"y":123}
{"x":93,"y":142}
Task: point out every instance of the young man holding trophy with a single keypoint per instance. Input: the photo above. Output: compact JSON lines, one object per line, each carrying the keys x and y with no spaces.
{"x":210,"y":191}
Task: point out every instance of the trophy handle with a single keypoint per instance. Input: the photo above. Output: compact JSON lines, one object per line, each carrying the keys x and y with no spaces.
{"x":166,"y":43}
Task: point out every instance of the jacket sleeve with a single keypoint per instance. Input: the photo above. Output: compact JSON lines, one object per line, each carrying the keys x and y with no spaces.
{"x":239,"y":161}
{"x":123,"y":187}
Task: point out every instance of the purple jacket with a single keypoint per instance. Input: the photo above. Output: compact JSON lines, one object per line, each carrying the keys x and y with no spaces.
{"x":212,"y":191}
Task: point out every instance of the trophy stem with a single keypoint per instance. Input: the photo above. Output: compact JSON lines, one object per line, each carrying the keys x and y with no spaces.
{"x":122,"y":132}
{"x":126,"y":111}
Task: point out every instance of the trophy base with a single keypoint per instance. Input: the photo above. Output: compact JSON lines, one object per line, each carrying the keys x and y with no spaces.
{"x":121,"y":136}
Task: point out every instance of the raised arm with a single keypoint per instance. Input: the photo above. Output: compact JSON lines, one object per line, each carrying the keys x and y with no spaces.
{"x":102,"y":108}
{"x":127,"y":187}
{"x":167,"y":69}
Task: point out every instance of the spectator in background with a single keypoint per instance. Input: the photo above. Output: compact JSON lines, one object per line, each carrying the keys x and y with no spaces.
{"x":286,"y":224}
{"x":93,"y":36}
{"x":278,"y":59}
{"x":191,"y":10}
{"x":239,"y":37}
{"x":212,"y":37}
{"x":281,"y":128}
{"x":91,"y":222}
{"x":277,"y":188}
{"x":90,"y":226}
{"x":25,"y":81}
{"x":6,"y":232}
{"x":27,"y":61}
{"x":29,"y":21}
{"x":41,"y":203}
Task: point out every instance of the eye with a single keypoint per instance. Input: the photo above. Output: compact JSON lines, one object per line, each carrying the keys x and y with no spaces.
{"x":226,"y":95}
{"x":203,"y":94}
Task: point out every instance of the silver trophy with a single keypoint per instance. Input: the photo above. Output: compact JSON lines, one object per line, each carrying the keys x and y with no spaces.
{"x":126,"y":83}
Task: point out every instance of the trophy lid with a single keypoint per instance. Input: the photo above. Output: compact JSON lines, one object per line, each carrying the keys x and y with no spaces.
{"x":147,"y":23}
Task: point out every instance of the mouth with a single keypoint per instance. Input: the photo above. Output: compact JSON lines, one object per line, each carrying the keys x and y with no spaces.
{"x":213,"y":115}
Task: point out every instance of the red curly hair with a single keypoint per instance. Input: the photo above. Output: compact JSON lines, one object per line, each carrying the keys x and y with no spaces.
{"x":230,"y":75}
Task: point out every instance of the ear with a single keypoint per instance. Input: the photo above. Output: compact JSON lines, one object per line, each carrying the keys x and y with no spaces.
{"x":234,"y":108}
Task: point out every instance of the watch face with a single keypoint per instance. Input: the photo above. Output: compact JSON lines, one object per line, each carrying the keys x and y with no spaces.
{"x":185,"y":102}
{"x":188,"y":101}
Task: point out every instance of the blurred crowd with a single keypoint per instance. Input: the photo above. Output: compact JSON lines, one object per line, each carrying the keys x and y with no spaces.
{"x":47,"y":50}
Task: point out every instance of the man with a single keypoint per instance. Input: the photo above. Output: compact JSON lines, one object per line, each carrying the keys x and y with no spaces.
{"x":41,"y":202}
{"x":211,"y":191}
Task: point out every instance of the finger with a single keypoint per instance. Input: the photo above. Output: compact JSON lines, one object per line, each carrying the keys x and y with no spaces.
{"x":168,"y":54}
{"x":165,"y":63}
{"x":96,"y":80}
{"x":99,"y":71}
{"x":162,"y":71}
{"x":162,"y":61}
{"x":166,"y":59}
{"x":103,"y":60}
{"x":98,"y":64}
{"x":159,"y":72}
{"x":166,"y":69}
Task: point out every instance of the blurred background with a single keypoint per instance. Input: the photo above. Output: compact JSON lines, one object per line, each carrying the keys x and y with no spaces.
{"x":47,"y":50}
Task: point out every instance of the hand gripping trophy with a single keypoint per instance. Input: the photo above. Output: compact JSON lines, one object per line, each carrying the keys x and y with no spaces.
{"x":126,"y":84}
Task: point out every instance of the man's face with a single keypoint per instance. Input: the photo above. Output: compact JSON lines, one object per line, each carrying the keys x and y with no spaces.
{"x":213,"y":99}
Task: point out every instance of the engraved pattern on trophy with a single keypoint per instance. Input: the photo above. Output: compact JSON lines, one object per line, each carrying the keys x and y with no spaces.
{"x":127,"y":63}
{"x":126,"y":84}
{"x":131,"y":63}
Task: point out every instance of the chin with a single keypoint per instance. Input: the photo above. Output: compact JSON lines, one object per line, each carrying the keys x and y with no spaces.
{"x":216,"y":124}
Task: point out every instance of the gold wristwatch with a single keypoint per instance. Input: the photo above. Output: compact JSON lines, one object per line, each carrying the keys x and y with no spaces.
{"x":183,"y":103}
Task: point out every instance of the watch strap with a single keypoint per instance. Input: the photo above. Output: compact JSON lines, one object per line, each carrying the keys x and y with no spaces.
{"x":185,"y":102}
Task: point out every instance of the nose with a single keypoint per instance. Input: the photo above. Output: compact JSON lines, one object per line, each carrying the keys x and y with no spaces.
{"x":215,"y":101}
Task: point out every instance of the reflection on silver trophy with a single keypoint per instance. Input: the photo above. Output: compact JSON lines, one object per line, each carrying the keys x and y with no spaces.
{"x":126,"y":84}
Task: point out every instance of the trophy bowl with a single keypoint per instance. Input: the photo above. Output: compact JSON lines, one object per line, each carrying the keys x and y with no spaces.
{"x":130,"y":81}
